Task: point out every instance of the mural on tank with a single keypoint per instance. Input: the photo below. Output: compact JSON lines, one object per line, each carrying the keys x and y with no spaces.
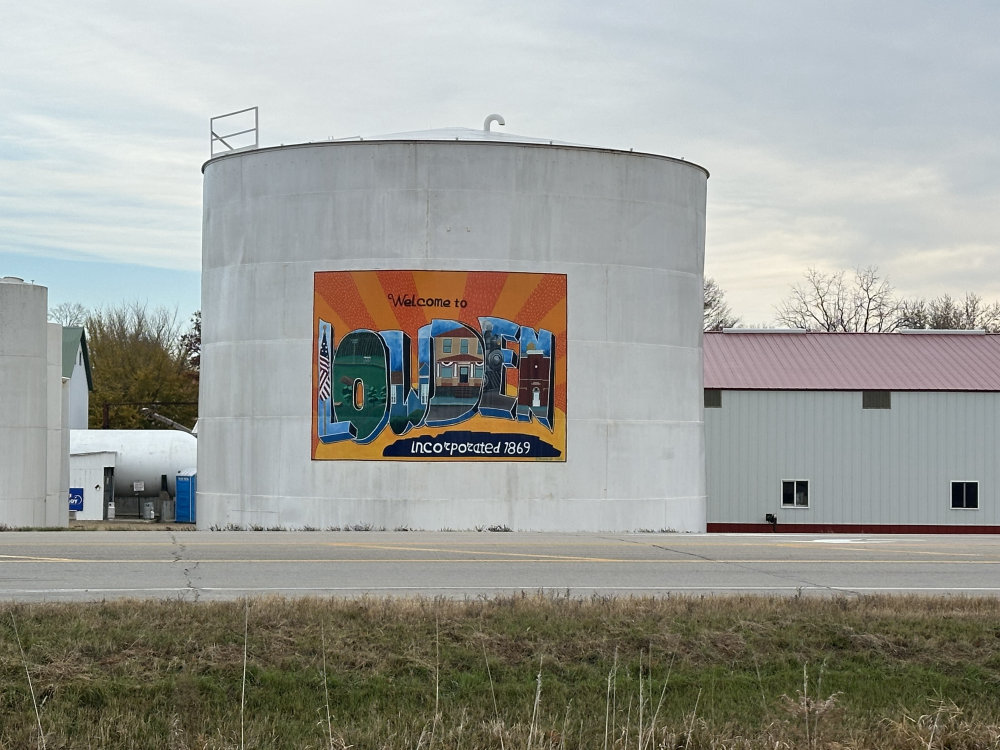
{"x":439,"y":366}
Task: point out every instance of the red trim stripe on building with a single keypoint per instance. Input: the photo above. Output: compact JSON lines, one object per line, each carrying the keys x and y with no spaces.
{"x":847,"y":528}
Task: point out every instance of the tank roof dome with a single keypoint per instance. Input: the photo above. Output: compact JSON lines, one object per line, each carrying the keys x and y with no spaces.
{"x":460,"y":134}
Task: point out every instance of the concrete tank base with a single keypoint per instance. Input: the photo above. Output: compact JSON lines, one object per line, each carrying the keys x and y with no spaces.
{"x":625,"y":231}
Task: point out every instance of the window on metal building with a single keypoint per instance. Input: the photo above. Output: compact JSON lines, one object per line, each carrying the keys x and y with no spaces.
{"x":965,"y":495}
{"x":794,"y":493}
{"x":876,"y":399}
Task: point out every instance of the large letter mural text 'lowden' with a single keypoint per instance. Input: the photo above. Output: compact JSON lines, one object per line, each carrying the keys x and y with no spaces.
{"x":487,"y":349}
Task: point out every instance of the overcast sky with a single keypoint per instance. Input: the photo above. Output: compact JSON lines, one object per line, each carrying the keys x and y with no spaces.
{"x":837,"y":134}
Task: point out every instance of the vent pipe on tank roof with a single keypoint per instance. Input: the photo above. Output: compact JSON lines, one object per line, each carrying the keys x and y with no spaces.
{"x":490,"y":119}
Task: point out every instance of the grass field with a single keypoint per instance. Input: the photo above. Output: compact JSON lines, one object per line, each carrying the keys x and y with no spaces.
{"x":524,"y":672}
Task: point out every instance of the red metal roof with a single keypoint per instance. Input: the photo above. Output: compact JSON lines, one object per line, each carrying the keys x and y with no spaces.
{"x":737,"y":360}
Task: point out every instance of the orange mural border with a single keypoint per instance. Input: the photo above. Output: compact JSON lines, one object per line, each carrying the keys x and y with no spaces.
{"x":405,"y":300}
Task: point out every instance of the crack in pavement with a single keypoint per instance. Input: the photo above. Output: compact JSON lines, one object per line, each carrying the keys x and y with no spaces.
{"x":178,"y":555}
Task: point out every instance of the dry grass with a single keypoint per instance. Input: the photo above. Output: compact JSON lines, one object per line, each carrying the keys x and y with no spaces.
{"x":517,"y":672}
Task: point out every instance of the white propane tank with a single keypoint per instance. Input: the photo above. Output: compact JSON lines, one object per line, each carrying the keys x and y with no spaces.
{"x":142,"y":456}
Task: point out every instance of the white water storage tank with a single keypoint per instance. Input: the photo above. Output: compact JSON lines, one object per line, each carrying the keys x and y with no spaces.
{"x":23,"y":402}
{"x":455,"y":329}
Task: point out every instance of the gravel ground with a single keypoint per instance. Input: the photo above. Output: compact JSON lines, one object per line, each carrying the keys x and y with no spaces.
{"x":129,"y":524}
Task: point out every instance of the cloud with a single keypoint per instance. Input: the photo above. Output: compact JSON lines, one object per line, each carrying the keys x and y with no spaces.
{"x":837,"y":134}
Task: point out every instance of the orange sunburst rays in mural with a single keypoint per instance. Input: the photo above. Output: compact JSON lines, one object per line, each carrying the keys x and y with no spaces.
{"x":483,"y":377}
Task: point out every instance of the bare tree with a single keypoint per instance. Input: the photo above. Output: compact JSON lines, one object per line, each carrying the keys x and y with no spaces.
{"x":829,"y":302}
{"x":716,"y":314}
{"x":913,"y":314}
{"x":946,"y":312}
{"x":979,"y":315}
{"x":68,"y":314}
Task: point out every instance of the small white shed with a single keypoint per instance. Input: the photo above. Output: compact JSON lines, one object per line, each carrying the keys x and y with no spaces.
{"x":91,"y":482}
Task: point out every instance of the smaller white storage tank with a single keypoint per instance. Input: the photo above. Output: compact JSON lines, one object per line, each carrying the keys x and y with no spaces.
{"x":23,"y":402}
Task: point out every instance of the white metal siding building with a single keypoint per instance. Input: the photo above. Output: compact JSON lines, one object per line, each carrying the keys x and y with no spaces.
{"x":852,"y":432}
{"x":76,"y":372}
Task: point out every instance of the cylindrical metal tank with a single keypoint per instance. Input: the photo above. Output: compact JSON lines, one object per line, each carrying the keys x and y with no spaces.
{"x":624,"y":231}
{"x":23,"y":402}
{"x":142,"y":456}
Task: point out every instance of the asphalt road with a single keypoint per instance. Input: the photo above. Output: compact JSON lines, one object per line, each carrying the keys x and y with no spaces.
{"x":212,"y":565}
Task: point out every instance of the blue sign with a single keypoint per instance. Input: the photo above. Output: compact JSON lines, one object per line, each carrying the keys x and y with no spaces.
{"x":76,"y":498}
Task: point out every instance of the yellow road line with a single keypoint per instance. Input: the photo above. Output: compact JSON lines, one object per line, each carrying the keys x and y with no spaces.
{"x":406,"y":548}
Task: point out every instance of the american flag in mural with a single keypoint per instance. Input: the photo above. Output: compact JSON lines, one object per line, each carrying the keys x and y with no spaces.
{"x":324,"y":369}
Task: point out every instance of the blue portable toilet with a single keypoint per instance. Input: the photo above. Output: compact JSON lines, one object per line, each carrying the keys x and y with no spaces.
{"x":187,"y":494}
